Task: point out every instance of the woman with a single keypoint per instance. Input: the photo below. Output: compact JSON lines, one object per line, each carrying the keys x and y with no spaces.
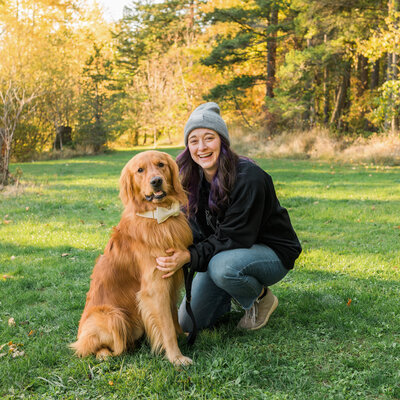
{"x":243,"y":239}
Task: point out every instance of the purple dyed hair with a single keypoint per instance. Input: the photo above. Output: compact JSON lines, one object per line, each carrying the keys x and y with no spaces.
{"x":221,"y":185}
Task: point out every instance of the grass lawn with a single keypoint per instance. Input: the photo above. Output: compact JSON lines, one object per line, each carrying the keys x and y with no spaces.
{"x":335,"y":334}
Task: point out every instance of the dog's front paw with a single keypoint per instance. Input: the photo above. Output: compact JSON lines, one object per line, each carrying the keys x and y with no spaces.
{"x":181,"y":360}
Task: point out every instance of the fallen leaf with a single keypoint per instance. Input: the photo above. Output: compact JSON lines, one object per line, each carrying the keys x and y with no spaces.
{"x":12,"y":349}
{"x":32,"y":332}
{"x":27,"y":208}
{"x":18,"y":353}
{"x":348,"y":303}
{"x":110,"y":383}
{"x":64,"y":254}
{"x":6,"y":222}
{"x":82,"y":221}
{"x":11,"y":322}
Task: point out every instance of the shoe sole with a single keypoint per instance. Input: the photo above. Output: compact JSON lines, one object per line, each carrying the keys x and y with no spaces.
{"x":272,"y":309}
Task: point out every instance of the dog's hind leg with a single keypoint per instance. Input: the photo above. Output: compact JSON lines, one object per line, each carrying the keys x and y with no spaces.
{"x":103,"y":353}
{"x":103,"y":333}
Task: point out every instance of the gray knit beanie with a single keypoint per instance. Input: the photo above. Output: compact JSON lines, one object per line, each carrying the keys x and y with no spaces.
{"x":206,"y":115}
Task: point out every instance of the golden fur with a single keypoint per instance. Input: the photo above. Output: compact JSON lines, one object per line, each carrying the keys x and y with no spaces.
{"x":127,"y":294}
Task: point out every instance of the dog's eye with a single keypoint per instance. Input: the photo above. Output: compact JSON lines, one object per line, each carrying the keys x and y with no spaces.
{"x":160,"y":164}
{"x":140,"y":170}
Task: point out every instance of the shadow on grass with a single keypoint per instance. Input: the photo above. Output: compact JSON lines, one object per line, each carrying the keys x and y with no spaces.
{"x":319,"y":304}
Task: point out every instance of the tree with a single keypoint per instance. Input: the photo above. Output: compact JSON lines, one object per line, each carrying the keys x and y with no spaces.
{"x":95,"y":100}
{"x":248,"y":51}
{"x":46,"y":43}
{"x":157,"y":66}
{"x":329,"y":84}
{"x":13,"y":101}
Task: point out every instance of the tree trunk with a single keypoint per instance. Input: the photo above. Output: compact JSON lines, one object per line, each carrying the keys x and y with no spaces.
{"x":327,"y":104}
{"x":341,"y":98}
{"x":4,"y":162}
{"x":136,"y":137}
{"x":375,"y":75}
{"x":362,"y":74}
{"x":271,"y":52}
{"x":392,"y":65}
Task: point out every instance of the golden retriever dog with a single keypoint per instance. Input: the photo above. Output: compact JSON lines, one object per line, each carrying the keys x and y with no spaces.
{"x":128,"y":296}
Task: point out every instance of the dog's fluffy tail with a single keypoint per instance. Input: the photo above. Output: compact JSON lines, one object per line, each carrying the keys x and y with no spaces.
{"x":103,"y":333}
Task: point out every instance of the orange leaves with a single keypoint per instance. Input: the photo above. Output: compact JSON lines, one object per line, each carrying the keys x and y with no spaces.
{"x":348,"y":302}
{"x":14,"y":349}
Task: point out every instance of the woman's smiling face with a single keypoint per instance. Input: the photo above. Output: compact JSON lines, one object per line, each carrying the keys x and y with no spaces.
{"x":205,"y":146}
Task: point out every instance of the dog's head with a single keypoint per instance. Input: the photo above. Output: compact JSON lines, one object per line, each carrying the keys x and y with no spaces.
{"x":151,"y":178}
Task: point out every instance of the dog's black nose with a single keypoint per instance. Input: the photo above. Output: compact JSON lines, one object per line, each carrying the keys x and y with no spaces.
{"x":156,"y":182}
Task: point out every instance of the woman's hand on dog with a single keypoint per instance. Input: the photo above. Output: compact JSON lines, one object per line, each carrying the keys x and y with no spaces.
{"x":173,"y":262}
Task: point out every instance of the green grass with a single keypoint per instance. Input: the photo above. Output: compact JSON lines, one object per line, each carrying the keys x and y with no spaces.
{"x":317,"y":344}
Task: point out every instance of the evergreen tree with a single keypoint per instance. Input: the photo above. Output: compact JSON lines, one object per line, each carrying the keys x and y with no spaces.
{"x":249,"y":54}
{"x":95,"y":105}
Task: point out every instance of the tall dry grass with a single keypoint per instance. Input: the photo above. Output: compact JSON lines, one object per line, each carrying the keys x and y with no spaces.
{"x":320,"y":144}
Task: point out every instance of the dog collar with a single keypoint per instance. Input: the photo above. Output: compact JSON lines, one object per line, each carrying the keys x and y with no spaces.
{"x":161,"y":214}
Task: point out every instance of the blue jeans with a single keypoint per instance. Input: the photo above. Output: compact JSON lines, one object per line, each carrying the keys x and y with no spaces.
{"x":240,"y":274}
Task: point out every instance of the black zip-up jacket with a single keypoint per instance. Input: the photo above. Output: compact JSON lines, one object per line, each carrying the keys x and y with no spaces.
{"x":253,"y":215}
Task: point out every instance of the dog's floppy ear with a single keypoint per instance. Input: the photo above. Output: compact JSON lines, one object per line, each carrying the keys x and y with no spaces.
{"x":126,"y":186}
{"x":176,"y":183}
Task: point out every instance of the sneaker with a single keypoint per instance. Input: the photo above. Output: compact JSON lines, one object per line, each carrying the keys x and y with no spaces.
{"x":258,"y":315}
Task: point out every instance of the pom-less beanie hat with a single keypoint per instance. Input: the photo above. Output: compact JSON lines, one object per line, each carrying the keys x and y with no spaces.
{"x":206,"y":115}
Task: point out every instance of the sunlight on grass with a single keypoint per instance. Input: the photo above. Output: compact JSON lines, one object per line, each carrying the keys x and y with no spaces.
{"x":335,"y":334}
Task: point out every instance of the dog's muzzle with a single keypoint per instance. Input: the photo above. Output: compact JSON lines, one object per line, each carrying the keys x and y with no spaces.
{"x":156,"y":184}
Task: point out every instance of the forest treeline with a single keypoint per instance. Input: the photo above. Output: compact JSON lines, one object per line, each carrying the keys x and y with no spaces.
{"x":70,"y":78}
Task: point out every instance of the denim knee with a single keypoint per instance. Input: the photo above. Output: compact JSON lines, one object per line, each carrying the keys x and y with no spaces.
{"x":220,"y":270}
